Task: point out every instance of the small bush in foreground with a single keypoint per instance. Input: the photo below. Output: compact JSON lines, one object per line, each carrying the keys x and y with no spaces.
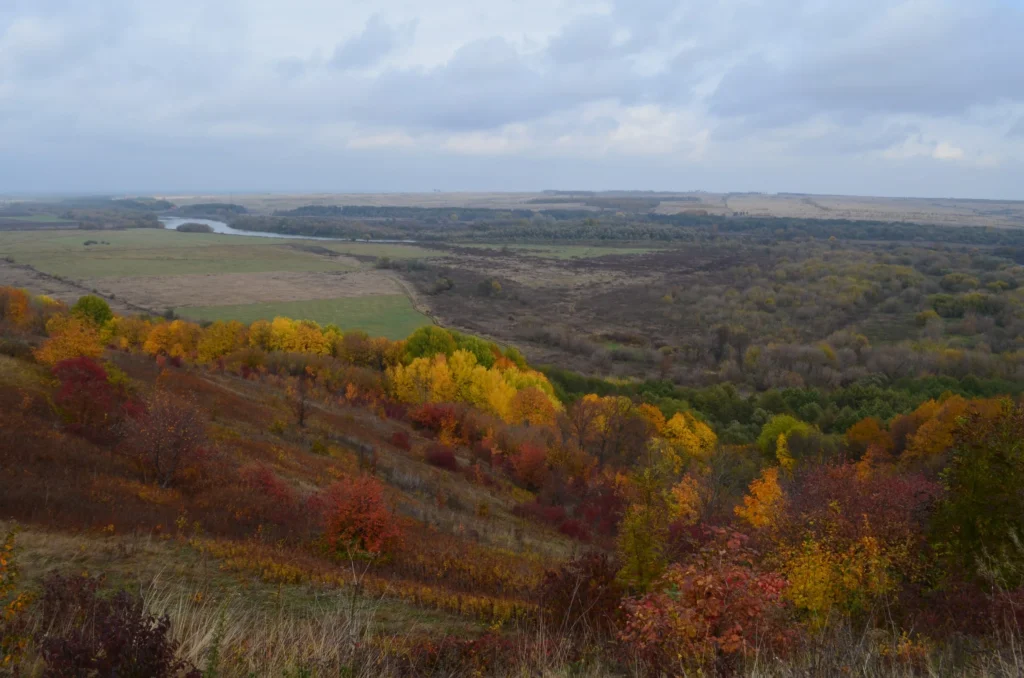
{"x":91,"y":635}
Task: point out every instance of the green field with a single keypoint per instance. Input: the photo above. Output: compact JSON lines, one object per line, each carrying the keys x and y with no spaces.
{"x":389,"y":315}
{"x":38,"y":218}
{"x":165,"y":252}
{"x":563,"y":251}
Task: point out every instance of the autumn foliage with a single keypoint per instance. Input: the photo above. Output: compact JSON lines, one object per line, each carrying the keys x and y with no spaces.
{"x":290,"y":451}
{"x":356,"y":518}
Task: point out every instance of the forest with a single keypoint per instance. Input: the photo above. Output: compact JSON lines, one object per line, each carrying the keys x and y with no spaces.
{"x":439,"y":506}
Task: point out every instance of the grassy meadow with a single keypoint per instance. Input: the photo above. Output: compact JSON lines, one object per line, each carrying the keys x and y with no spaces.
{"x":390,"y":316}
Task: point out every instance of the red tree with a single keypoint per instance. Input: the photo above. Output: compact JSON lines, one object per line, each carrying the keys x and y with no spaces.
{"x":88,"y":402}
{"x":355,"y":515}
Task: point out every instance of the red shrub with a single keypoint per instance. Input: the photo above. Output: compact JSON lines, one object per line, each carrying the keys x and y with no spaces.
{"x":707,"y":613}
{"x":575,"y":529}
{"x":396,"y":411}
{"x":435,"y":417}
{"x":105,"y":636}
{"x":88,"y":403}
{"x":583,"y":596}
{"x":530,"y":465}
{"x":281,"y":503}
{"x":441,"y":456}
{"x":400,"y":439}
{"x":356,"y":516}
{"x":892,"y":508}
{"x":551,"y":515}
{"x":602,"y":508}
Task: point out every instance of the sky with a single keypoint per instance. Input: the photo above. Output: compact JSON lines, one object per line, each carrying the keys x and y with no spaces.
{"x":867,"y":97}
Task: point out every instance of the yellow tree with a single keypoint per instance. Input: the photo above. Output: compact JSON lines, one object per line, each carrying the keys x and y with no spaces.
{"x":177,"y":339}
{"x":531,"y":406}
{"x":686,"y":500}
{"x":461,"y":366}
{"x":763,"y":506}
{"x":492,"y":393}
{"x":220,"y":339}
{"x":129,"y":332}
{"x":689,"y":437}
{"x":260,"y":335}
{"x":424,"y":380}
{"x":70,"y":337}
{"x":653,"y":416}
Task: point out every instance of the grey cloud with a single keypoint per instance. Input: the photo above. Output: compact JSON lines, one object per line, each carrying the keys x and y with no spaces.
{"x":131,"y":85}
{"x":586,"y":39}
{"x":377,"y":40}
{"x":945,"y":63}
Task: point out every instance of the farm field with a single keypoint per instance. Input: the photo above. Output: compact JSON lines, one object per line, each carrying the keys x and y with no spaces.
{"x":214,"y":276}
{"x":151,"y":252}
{"x":39,"y":218}
{"x":390,"y":316}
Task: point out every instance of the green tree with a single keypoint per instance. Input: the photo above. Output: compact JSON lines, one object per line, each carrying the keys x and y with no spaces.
{"x":429,"y":341}
{"x":983,"y":512}
{"x":94,"y":309}
{"x":784,"y":425}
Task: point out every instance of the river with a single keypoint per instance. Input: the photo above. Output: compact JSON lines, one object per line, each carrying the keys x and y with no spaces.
{"x":172,"y":223}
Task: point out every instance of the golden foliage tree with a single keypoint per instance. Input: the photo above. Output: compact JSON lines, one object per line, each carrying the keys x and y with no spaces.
{"x":763,"y":506}
{"x":70,"y":337}
{"x":177,"y":339}
{"x":220,"y":339}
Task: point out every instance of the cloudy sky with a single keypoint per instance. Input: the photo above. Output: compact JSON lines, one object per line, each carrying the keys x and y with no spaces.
{"x":882,"y":97}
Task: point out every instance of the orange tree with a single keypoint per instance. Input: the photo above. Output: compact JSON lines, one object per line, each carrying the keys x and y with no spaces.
{"x":357,"y":519}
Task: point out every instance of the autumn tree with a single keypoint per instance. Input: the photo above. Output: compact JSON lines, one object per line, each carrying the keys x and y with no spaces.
{"x":688,"y":438}
{"x":356,"y":518}
{"x":87,"y":400}
{"x":167,"y":437}
{"x":849,"y":541}
{"x":220,"y":339}
{"x":531,"y":406}
{"x":14,"y":306}
{"x":177,"y":339}
{"x":865,"y":433}
{"x":763,"y":507}
{"x":70,"y":337}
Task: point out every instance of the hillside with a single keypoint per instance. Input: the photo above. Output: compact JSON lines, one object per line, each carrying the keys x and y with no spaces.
{"x":302,"y":500}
